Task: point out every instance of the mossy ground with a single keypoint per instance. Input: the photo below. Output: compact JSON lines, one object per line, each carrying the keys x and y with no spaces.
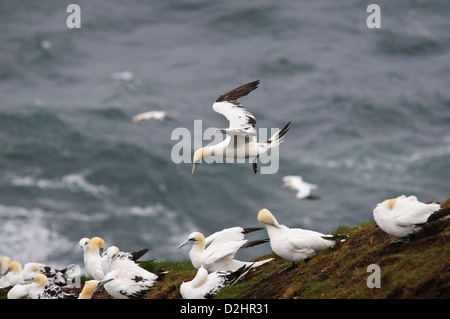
{"x":419,"y":268}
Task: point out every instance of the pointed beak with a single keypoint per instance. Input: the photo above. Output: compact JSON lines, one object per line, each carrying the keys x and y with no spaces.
{"x":194,"y":168}
{"x":101,"y":283}
{"x":187,"y":241}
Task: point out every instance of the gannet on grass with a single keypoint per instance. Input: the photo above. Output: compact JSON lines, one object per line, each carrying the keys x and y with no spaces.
{"x":216,"y":252}
{"x":93,"y":259}
{"x":294,"y":244}
{"x":241,"y":140}
{"x":205,"y":286}
{"x":151,"y":115}
{"x":303,"y":188}
{"x":115,"y":259}
{"x":129,"y":284}
{"x":404,"y":216}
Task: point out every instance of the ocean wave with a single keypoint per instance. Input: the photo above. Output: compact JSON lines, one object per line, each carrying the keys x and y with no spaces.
{"x":26,"y":237}
{"x":71,"y":182}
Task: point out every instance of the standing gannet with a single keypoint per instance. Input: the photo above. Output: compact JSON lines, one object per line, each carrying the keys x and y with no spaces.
{"x":205,"y":285}
{"x":294,"y":244}
{"x":115,"y":259}
{"x":216,"y":252}
{"x":54,"y":276}
{"x":93,"y":265}
{"x":404,"y":216}
{"x":303,"y":188}
{"x":151,"y":115}
{"x":5,"y":261}
{"x":129,"y":284}
{"x":241,"y":141}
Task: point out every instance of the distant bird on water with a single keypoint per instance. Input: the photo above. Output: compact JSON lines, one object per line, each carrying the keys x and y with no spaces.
{"x":241,"y":140}
{"x":404,"y":216}
{"x":151,"y":115}
{"x":303,"y":188}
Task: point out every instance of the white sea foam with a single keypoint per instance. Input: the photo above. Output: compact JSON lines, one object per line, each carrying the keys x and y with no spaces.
{"x":72,"y":182}
{"x":26,"y":237}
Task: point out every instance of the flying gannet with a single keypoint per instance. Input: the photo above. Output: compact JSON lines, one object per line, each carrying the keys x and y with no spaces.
{"x":241,"y":137}
{"x":216,"y":252}
{"x":205,"y":286}
{"x":294,"y":244}
{"x":404,"y":216}
{"x":151,"y":115}
{"x":303,"y":188}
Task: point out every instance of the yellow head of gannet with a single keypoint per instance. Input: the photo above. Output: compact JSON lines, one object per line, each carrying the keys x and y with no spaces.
{"x":390,"y":203}
{"x":5,"y":261}
{"x":15,"y":267}
{"x":41,"y":280}
{"x":194,"y":238}
{"x":267,"y":218}
{"x":88,"y":290}
{"x":96,"y":244}
{"x":200,"y":155}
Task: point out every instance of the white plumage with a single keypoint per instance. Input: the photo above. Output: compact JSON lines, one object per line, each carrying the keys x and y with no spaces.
{"x":216,"y":252}
{"x":19,"y":291}
{"x":206,"y":285}
{"x":293,"y":244}
{"x":129,"y":284}
{"x":403,"y":216}
{"x":303,"y":188}
{"x":151,"y":115}
{"x":92,"y":257}
{"x":115,"y":259}
{"x":241,"y":140}
{"x":5,"y":261}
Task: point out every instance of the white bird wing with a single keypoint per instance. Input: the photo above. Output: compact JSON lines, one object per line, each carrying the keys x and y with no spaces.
{"x":226,"y":235}
{"x":229,"y":249}
{"x":409,"y":211}
{"x":306,"y":239}
{"x":241,"y":122}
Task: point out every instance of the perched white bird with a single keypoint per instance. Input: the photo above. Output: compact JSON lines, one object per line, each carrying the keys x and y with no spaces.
{"x":220,"y":250}
{"x":151,"y":115}
{"x":93,"y":259}
{"x":129,"y":284}
{"x":294,"y":244}
{"x":115,"y":259}
{"x":404,"y":216}
{"x":41,"y":289}
{"x":19,"y":291}
{"x":241,"y":140}
{"x":5,"y":261}
{"x":205,"y":285}
{"x":303,"y":188}
{"x":13,"y":274}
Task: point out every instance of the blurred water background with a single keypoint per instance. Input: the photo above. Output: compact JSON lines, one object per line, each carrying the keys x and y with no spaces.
{"x":370,"y":112}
